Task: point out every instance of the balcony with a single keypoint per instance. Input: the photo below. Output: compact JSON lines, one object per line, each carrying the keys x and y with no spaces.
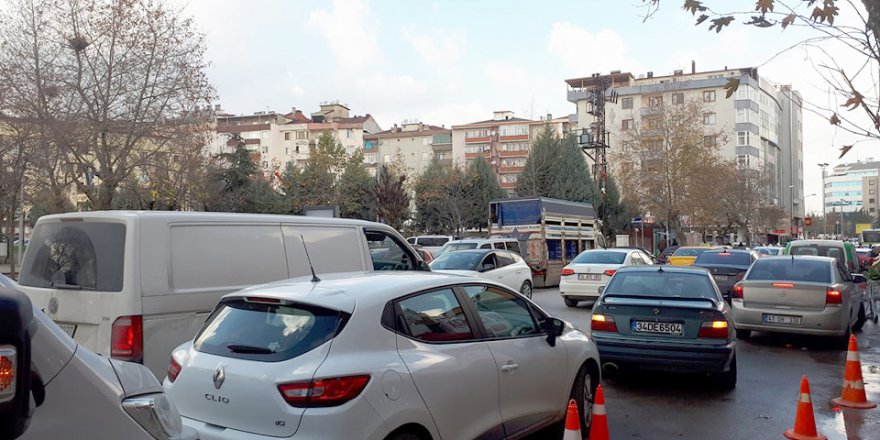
{"x":446,"y":163}
{"x":516,"y":153}
{"x":507,"y":185}
{"x":441,"y":139}
{"x":510,"y":169}
{"x":516,"y":137}
{"x":476,"y":140}
{"x":486,"y":154}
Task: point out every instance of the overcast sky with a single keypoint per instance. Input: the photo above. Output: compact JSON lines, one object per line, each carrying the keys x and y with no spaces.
{"x":454,"y":62}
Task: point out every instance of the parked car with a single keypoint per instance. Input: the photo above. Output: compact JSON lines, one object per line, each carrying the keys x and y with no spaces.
{"x":842,"y":250}
{"x":381,"y":356}
{"x":132,"y":285}
{"x":592,"y":269}
{"x":480,"y":243}
{"x":424,"y":253}
{"x":663,"y":257}
{"x":504,"y":267}
{"x":798,"y":294}
{"x":727,"y":267}
{"x":50,"y":398}
{"x":685,"y":255}
{"x":646,"y":252}
{"x":432,"y":243}
{"x":864,"y":258}
{"x":671,"y":318}
{"x":768,"y":250}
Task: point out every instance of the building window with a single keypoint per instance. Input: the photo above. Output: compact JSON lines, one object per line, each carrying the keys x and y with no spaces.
{"x":626,"y":103}
{"x":742,"y":138}
{"x":286,"y":135}
{"x":710,"y":141}
{"x":386,"y":158}
{"x":287,"y":151}
{"x":426,"y":155}
{"x":370,"y":157}
{"x":870,"y":200}
{"x":655,"y":101}
{"x":302,"y":134}
{"x":476,"y":133}
{"x":871,"y":182}
{"x":871,"y":191}
{"x":476,"y":148}
{"x":742,"y":160}
{"x":441,"y":156}
{"x":871,"y":210}
{"x":708,"y":96}
{"x":516,"y":146}
{"x":514,"y":130}
{"x":265,"y":134}
{"x":678,"y":98}
{"x":709,"y":118}
{"x":514,"y":162}
{"x":509,"y":178}
{"x":627,"y":124}
{"x":265,"y":150}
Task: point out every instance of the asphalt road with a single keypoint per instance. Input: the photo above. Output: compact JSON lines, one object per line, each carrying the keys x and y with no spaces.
{"x":657,"y":406}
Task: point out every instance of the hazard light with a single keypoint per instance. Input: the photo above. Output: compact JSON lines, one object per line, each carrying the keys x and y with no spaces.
{"x":567,"y":271}
{"x":603,"y":323}
{"x":7,"y":373}
{"x":713,"y":329}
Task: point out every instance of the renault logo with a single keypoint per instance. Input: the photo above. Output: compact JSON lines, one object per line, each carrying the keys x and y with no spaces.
{"x":219,"y":377}
{"x":655,"y":311}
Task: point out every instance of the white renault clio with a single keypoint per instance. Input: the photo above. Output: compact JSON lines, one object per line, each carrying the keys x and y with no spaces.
{"x":412,"y":356}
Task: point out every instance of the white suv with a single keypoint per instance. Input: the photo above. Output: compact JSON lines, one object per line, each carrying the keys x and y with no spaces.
{"x":381,"y":356}
{"x":509,"y":244}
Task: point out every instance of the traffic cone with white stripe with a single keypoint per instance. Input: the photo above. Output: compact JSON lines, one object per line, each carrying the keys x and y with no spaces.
{"x":572,"y":423}
{"x":599,"y":425}
{"x":853,"y":395}
{"x":804,"y":421}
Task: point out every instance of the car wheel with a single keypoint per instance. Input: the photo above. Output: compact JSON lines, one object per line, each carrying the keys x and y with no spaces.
{"x":526,"y":289}
{"x":842,"y":342}
{"x":406,"y":435}
{"x":860,"y":320}
{"x":743,"y":334}
{"x":726,"y":380}
{"x":571,"y":302}
{"x":583,"y":392}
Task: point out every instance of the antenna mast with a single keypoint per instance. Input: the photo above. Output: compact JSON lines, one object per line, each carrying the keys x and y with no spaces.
{"x":315,"y":278}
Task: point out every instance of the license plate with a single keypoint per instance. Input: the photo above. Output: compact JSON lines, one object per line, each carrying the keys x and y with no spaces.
{"x":782,"y":319}
{"x":722,"y":278}
{"x":659,"y":328}
{"x":70,"y":329}
{"x":589,"y":276}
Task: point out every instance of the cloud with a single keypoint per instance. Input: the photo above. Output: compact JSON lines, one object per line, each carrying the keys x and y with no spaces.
{"x":351,"y":31}
{"x":583,"y":52}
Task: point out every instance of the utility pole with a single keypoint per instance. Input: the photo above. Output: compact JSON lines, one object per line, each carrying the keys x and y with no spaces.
{"x":824,"y":218}
{"x":593,"y":140}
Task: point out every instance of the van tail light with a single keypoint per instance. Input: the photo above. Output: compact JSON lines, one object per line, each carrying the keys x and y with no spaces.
{"x":323,"y":392}
{"x":567,"y":271}
{"x":173,"y":370}
{"x":609,"y":272}
{"x":603,"y":323}
{"x":738,"y":290}
{"x":833,"y":296}
{"x":714,"y":329}
{"x":8,"y":371}
{"x":127,"y":338}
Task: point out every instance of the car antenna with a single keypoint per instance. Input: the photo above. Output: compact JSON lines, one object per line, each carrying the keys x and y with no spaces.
{"x":315,"y":278}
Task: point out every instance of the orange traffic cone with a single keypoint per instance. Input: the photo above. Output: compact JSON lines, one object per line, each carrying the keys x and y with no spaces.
{"x":853,"y":394}
{"x":572,"y":423}
{"x":804,"y":422}
{"x":599,"y":426}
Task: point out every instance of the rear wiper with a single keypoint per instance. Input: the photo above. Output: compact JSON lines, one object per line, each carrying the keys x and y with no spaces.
{"x":65,"y":286}
{"x":249,"y":349}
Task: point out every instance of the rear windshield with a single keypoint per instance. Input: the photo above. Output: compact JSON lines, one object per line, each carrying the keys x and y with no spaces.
{"x":75,"y":255}
{"x":821,"y":251}
{"x":734,"y":258}
{"x":669,"y":284}
{"x":768,"y":251}
{"x":456,"y":261}
{"x":685,"y":252}
{"x":432,"y":241}
{"x":600,"y":257}
{"x":449,"y":247}
{"x":267,"y":332}
{"x":790,"y":269}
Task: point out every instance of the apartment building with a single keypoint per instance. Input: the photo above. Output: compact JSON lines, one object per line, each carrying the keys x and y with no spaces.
{"x":278,"y":139}
{"x":851,"y":187}
{"x":415,"y":143}
{"x":505,"y":141}
{"x":762,"y":120}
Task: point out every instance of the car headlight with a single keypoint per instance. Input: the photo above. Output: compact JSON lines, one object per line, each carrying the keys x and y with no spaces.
{"x":156,"y":414}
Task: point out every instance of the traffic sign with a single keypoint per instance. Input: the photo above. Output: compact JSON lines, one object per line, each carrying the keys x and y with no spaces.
{"x":636,"y":220}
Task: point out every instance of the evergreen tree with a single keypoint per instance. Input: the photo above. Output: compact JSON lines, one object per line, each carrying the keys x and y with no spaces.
{"x":485,"y":188}
{"x":570,"y":178}
{"x":292,"y":189}
{"x":430,"y":192}
{"x":319,"y":173}
{"x":231,"y":184}
{"x":392,"y":197}
{"x":355,"y":185}
{"x":537,"y":176}
{"x":617,"y":211}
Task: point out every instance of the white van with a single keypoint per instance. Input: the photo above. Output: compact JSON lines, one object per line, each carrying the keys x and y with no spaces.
{"x":133,"y":285}
{"x":432,"y":243}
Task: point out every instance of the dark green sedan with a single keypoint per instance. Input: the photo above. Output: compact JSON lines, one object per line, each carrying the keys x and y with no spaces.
{"x":669,"y":318}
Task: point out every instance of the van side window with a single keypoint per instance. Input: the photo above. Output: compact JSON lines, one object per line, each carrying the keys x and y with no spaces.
{"x":411,"y":240}
{"x":388,"y":253}
{"x":512,"y":246}
{"x":486,"y":246}
{"x":323,"y":243}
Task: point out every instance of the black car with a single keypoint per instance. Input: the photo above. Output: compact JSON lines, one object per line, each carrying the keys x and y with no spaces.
{"x":727,"y":266}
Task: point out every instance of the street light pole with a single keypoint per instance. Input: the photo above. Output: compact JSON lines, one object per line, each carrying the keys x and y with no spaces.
{"x":791,"y":212}
{"x":824,"y":217}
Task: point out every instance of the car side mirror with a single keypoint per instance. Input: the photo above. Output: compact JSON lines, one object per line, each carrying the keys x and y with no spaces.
{"x":601,"y":289}
{"x":554,"y":328}
{"x":17,"y":327}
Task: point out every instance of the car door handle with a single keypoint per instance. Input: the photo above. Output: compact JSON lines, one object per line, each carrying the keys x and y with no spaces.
{"x":509,"y":367}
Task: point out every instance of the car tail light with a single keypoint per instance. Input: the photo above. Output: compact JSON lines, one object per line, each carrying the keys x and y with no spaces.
{"x":8,"y":368}
{"x":833,"y":296}
{"x":127,"y":338}
{"x":714,"y":329}
{"x":609,"y":272}
{"x":738,"y":290}
{"x":323,"y":392}
{"x":258,"y":300}
{"x":566,"y":272}
{"x":740,"y":276}
{"x":783,"y":285}
{"x":173,"y":370}
{"x":603,"y":323}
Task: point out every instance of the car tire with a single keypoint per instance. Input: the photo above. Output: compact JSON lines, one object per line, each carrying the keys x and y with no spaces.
{"x":583,"y":392}
{"x":726,"y":380}
{"x":842,"y":342}
{"x":526,"y":289}
{"x":860,"y":320}
{"x":743,"y":334}
{"x":570,"y":302}
{"x":405,"y":435}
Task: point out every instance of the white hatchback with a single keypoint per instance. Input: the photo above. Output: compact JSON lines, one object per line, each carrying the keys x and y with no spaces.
{"x":381,"y":356}
{"x":504,"y":267}
{"x":592,"y":269}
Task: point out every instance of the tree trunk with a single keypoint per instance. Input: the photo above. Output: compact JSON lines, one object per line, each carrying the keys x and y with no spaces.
{"x":873,"y":21}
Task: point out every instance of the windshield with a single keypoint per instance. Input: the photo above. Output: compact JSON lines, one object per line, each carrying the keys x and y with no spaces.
{"x":871,"y":236}
{"x":790,"y":269}
{"x":669,"y":284}
{"x":457,"y":261}
{"x":600,"y":257}
{"x":432,"y":241}
{"x":820,"y":251}
{"x":729,"y":258}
